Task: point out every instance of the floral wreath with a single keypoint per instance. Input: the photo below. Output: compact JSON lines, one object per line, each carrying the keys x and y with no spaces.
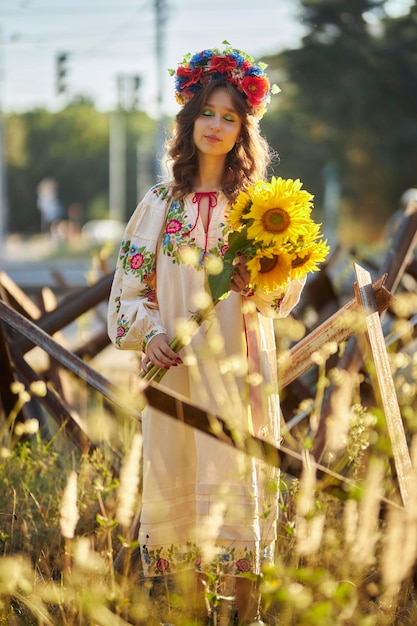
{"x":231,"y":65}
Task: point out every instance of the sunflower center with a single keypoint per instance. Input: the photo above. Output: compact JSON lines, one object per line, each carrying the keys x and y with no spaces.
{"x":299,"y":261}
{"x":276,"y":220}
{"x":267,"y":265}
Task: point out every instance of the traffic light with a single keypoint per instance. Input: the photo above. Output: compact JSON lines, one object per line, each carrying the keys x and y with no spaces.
{"x":61,"y":72}
{"x":136,"y":82}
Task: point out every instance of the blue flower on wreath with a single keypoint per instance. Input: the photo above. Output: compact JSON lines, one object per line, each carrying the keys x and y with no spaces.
{"x":255,"y":71}
{"x":238,"y":58}
{"x":200,"y":58}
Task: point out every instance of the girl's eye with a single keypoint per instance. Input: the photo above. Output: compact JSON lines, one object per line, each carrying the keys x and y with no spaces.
{"x":229,"y":118}
{"x":207,"y":112}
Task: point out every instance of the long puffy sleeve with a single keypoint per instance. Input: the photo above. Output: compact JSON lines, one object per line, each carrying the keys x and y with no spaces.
{"x":280,"y":303}
{"x":133,"y":313}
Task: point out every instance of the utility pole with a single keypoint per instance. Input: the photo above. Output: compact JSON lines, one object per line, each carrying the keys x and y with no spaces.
{"x":117,"y":158}
{"x":161,"y":18}
{"x":3,"y":192}
{"x":127,"y":100}
{"x":331,"y":202}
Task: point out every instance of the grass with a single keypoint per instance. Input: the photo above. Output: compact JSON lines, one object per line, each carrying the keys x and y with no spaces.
{"x":68,"y":526}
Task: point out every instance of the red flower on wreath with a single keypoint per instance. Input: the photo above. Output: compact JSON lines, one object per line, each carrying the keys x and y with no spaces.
{"x":255,"y":88}
{"x":222,"y":64}
{"x":193,"y":75}
{"x":243,"y":565}
{"x":162,"y":565}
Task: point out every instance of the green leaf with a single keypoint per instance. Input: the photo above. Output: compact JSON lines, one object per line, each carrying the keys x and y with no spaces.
{"x":219,"y":284}
{"x":238,"y":242}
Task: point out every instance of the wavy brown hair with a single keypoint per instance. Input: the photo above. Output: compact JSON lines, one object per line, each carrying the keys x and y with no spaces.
{"x":247,"y":162}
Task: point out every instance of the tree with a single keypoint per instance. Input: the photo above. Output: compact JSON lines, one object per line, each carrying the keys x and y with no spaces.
{"x":343,"y":102}
{"x":71,"y":147}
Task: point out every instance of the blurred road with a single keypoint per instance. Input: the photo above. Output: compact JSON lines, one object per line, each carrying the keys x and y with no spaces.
{"x":30,"y":262}
{"x":36,"y":262}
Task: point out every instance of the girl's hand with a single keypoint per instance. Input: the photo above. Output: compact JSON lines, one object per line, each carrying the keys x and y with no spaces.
{"x":159,"y":353}
{"x":240,"y":278}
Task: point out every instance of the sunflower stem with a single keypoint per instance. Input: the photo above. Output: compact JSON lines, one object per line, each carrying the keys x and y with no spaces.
{"x":156,"y":373}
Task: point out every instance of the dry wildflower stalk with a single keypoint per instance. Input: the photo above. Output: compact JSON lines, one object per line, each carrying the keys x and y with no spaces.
{"x":309,"y":524}
{"x":362,"y":551}
{"x":69,"y":517}
{"x":129,"y":484}
{"x":400,"y":538}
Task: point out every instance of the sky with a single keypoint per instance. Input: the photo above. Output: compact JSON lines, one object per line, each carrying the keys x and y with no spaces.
{"x":106,"y":39}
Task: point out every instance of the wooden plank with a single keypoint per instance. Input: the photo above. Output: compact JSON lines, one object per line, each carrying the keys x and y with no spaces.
{"x":351,"y":361}
{"x":70,"y":308}
{"x":13,"y":295}
{"x":172,"y":404}
{"x":36,"y":336}
{"x":384,"y":381}
{"x":333,"y":329}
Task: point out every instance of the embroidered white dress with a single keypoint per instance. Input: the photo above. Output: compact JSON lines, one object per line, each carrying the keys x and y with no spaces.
{"x":205,"y":505}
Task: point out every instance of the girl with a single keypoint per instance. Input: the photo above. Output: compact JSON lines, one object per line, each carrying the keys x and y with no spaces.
{"x":204,"y":506}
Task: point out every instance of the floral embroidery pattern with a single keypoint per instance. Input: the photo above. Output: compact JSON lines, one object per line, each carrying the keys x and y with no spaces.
{"x":160,"y":560}
{"x":178,"y":242}
{"x":123,"y":327}
{"x":137,"y":261}
{"x":160,"y":191}
{"x":147,"y":339}
{"x":276,"y":303}
{"x":177,"y":231}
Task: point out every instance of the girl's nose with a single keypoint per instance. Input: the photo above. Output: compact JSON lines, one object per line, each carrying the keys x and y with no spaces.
{"x":215,"y":122}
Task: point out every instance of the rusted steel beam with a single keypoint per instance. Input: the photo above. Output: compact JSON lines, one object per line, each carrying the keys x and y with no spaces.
{"x":8,"y":399}
{"x":61,"y":414}
{"x":93,"y":346}
{"x":333,"y":329}
{"x":403,"y":243}
{"x":383,"y":381}
{"x":70,"y":308}
{"x":37,"y":336}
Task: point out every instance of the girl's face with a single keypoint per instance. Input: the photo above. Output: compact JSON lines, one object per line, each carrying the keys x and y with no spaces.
{"x":217,"y":128}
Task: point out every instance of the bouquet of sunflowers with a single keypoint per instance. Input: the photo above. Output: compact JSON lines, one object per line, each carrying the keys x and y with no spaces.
{"x":270,"y":225}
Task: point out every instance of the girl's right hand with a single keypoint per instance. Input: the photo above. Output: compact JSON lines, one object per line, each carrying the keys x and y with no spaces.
{"x":159,"y":353}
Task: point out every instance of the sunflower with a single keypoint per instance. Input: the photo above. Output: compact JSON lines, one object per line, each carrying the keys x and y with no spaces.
{"x":271,"y":193}
{"x":304,"y":240}
{"x":241,"y":204}
{"x":307,"y":259}
{"x":269,"y":269}
{"x":280,"y":211}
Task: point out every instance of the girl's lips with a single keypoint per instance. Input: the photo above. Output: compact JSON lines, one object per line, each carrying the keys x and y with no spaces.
{"x":212,"y":138}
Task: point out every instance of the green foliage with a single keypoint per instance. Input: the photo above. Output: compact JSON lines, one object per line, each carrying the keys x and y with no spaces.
{"x":349,"y":100}
{"x":72,"y":147}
